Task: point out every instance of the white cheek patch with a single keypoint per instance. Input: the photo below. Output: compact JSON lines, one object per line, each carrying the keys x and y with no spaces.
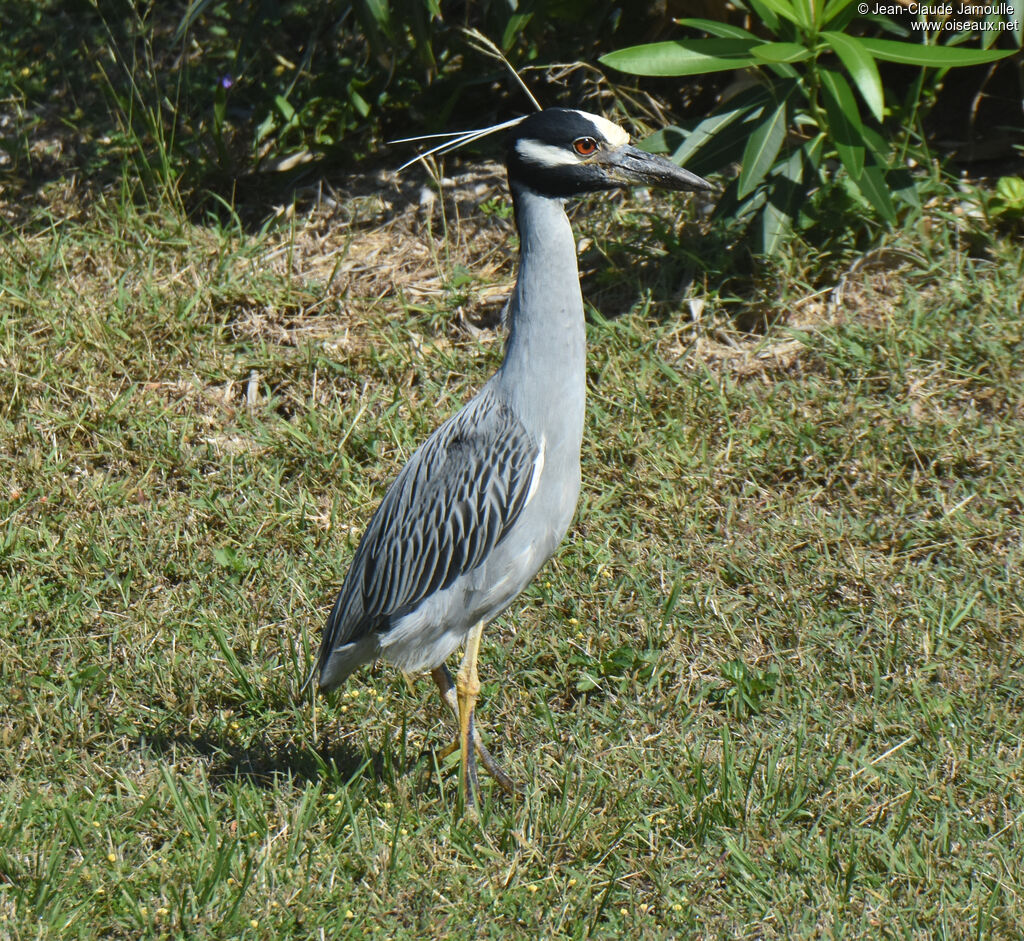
{"x":545,"y":155}
{"x":612,"y":133}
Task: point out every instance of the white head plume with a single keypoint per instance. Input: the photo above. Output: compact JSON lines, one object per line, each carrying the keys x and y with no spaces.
{"x":456,"y":140}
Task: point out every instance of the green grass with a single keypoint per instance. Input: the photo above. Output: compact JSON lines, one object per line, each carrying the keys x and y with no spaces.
{"x":769,"y":687}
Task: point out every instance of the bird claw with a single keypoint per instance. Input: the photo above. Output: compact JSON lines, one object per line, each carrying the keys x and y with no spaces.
{"x":446,"y":686}
{"x":490,"y":765}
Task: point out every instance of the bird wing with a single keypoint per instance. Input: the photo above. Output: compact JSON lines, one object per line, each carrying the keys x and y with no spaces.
{"x":454,"y":501}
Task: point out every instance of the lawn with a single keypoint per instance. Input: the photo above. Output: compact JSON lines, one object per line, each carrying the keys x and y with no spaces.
{"x":770,"y":686}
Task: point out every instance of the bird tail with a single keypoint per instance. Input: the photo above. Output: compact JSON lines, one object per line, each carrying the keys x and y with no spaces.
{"x":348,"y":657}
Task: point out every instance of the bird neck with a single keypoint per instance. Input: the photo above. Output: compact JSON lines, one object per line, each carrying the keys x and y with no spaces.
{"x":544,"y":370}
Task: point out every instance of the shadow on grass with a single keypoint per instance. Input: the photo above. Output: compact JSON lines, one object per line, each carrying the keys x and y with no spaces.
{"x":265,"y":762}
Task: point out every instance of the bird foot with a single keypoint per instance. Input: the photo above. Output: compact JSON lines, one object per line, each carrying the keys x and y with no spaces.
{"x":446,"y":686}
{"x":491,"y":766}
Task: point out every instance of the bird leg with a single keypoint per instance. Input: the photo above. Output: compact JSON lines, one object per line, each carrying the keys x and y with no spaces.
{"x":446,"y":687}
{"x":467,"y":689}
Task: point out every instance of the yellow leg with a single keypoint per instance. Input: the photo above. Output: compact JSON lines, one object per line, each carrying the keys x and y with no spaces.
{"x":446,"y":686}
{"x":467,"y":690}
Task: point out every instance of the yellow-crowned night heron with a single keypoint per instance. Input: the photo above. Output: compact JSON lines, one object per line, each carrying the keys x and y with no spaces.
{"x":484,"y":501}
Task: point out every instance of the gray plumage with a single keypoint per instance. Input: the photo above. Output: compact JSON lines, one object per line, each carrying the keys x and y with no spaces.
{"x":484,"y":502}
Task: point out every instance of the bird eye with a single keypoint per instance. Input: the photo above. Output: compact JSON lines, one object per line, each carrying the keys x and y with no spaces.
{"x":585,"y":146}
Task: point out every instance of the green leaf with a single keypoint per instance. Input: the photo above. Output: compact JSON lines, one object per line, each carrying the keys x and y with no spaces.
{"x":517,"y":22}
{"x":723,"y":30}
{"x":1008,"y":199}
{"x":862,"y":69}
{"x":938,"y":57}
{"x":903,"y":187}
{"x":775,"y":226}
{"x":682,"y":57}
{"x":707,"y":151}
{"x":710,"y":128}
{"x":812,"y":153}
{"x":378,"y":9}
{"x":832,"y":9}
{"x":844,"y":125}
{"x":795,"y":12}
{"x":287,"y":111}
{"x":739,"y":211}
{"x":358,"y":101}
{"x":1018,"y":30}
{"x":718,"y":140}
{"x":872,"y":184}
{"x":876,"y":144}
{"x":762,"y":149}
{"x":765,"y":14}
{"x":663,"y":141}
{"x":781,"y":52}
{"x":265,"y":127}
{"x":1010,"y":189}
{"x":784,"y":197}
{"x":808,"y":13}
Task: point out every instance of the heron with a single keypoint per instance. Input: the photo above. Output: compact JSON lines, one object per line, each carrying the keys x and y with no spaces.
{"x":484,"y":502}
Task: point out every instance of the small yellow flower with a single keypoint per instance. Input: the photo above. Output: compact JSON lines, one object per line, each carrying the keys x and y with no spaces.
{"x":677,"y":907}
{"x":96,"y":824}
{"x":111,"y":858}
{"x":644,"y":907}
{"x":344,"y":708}
{"x":161,"y":911}
{"x":349,"y":914}
{"x":623,"y":911}
{"x":572,"y":881}
{"x":404,"y":832}
{"x":531,"y":888}
{"x":254,"y":923}
{"x":231,"y":881}
{"x":100,"y":890}
{"x":273,"y":904}
{"x":235,"y":726}
{"x":574,"y":620}
{"x":143,"y":910}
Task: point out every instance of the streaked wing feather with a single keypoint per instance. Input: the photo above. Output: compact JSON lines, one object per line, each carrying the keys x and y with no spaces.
{"x":449,"y":507}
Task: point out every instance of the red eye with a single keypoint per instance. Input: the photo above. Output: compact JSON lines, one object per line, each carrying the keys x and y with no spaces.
{"x":585,"y":146}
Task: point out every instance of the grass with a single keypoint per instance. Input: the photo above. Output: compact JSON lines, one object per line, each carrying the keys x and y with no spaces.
{"x":769,"y":687}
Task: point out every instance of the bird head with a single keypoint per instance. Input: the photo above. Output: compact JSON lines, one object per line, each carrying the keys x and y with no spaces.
{"x":560,"y":152}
